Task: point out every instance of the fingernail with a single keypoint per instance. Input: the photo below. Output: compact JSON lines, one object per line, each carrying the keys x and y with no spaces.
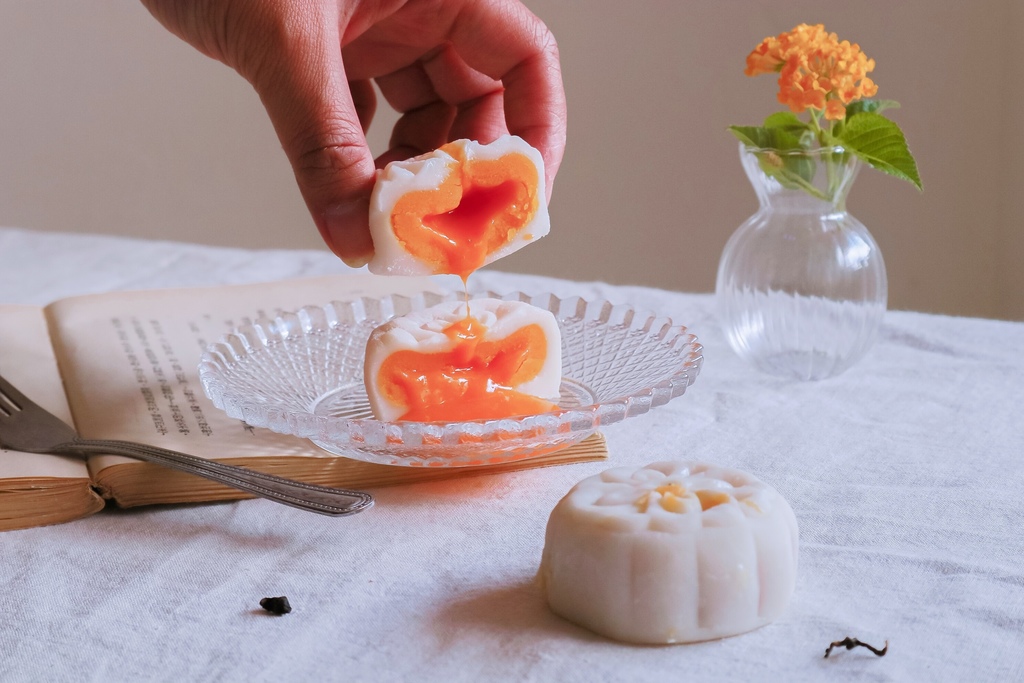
{"x":346,"y":229}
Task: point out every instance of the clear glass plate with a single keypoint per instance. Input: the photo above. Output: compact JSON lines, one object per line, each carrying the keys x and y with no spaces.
{"x":302,"y":373}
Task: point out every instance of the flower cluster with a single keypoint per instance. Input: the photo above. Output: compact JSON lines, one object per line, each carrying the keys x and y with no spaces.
{"x":816,"y":70}
{"x":827,"y":78}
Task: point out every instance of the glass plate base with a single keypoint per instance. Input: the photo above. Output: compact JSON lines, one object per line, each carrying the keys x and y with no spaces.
{"x":302,"y":373}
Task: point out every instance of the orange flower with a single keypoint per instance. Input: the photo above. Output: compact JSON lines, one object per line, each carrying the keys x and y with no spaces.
{"x":834,"y":110}
{"x":815,"y":70}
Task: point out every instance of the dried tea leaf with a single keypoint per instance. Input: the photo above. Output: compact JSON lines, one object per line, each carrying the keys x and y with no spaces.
{"x":277,"y":605}
{"x":850,"y":643}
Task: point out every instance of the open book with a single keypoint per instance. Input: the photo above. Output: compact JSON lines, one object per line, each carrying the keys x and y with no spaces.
{"x":124,"y":365}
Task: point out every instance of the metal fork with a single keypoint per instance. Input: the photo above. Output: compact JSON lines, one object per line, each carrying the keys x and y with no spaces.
{"x":25,"y":426}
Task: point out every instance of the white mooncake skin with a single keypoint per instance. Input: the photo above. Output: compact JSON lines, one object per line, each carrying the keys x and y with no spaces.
{"x":674,"y":552}
{"x":427,"y":172}
{"x":423,"y":331}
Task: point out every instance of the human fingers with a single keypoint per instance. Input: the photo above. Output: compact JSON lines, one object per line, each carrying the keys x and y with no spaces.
{"x":319,"y":121}
{"x":478,"y":98}
{"x":492,"y":59}
{"x":418,"y":131}
{"x":365,"y":101}
{"x":289,"y":52}
{"x":506,"y":42}
{"x":442,"y":76}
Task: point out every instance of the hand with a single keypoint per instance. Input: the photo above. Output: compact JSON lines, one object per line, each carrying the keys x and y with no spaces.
{"x":453,"y":68}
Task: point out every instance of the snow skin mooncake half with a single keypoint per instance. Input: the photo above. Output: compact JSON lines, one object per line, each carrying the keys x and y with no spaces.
{"x":457,"y":208}
{"x":439,"y":364}
{"x":673,"y":552}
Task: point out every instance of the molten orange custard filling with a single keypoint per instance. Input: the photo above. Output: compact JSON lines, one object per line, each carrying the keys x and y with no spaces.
{"x":478,"y":208}
{"x":472,"y":381}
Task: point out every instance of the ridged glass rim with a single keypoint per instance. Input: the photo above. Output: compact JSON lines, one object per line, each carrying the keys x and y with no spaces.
{"x":801,"y":151}
{"x":256,"y":337}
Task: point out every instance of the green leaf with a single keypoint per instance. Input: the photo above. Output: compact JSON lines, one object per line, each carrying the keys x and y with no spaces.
{"x":789,"y":122}
{"x":792,"y":171}
{"x":871,"y":106}
{"x":881,"y":144}
{"x":785,"y":119}
{"x":861,"y":106}
{"x":765,"y":138}
{"x":832,"y":139}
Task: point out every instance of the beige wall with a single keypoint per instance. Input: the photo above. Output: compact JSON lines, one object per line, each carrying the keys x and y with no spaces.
{"x":110,"y":124}
{"x":1010,"y":135}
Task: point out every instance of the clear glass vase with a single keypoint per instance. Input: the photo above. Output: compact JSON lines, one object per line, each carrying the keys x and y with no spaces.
{"x":801,"y":288}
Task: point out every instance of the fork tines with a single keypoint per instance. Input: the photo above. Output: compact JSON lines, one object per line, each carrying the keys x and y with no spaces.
{"x":11,"y":399}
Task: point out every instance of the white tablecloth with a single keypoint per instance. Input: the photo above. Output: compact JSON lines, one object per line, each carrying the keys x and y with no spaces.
{"x":906,"y":475}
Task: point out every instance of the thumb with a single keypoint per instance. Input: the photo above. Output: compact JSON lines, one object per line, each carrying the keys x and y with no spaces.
{"x":307,"y":96}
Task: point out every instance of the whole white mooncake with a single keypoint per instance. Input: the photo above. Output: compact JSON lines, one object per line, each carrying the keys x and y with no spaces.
{"x":673,"y":552}
{"x":457,"y":208}
{"x":440,"y":364}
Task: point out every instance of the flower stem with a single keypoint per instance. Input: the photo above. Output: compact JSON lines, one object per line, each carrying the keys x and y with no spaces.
{"x":815,"y":115}
{"x":830,"y":170}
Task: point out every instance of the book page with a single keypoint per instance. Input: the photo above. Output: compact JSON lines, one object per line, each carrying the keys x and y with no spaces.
{"x":130,"y":360}
{"x":27,"y":362}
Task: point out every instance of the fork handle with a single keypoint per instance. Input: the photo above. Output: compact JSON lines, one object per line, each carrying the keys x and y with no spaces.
{"x":322,"y":499}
